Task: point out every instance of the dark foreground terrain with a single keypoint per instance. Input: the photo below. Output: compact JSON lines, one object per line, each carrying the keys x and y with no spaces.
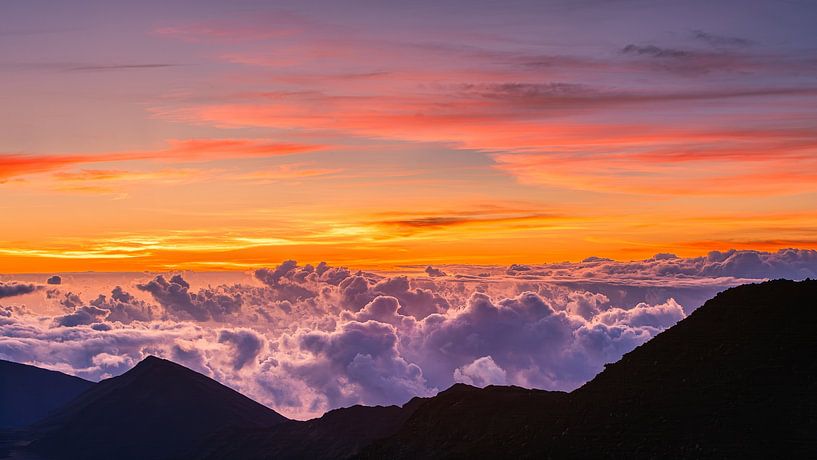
{"x":28,"y":393}
{"x":735,"y":379}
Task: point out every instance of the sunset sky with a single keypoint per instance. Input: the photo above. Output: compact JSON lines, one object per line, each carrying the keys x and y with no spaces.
{"x":203,"y":135}
{"x":326,"y":203}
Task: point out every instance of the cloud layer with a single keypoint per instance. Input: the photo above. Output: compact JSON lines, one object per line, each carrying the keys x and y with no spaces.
{"x":304,"y":339}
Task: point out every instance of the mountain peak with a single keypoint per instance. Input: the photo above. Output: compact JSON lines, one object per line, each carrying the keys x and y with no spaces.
{"x":458,"y":388}
{"x":173,"y":406}
{"x":152,"y":361}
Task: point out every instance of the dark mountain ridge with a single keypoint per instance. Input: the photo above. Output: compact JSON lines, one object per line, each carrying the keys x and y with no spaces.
{"x":158,"y":409}
{"x":339,"y":433}
{"x":29,"y":393}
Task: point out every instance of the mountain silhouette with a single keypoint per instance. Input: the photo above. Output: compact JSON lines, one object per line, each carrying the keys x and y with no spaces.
{"x":735,"y":379}
{"x":156,"y":410}
{"x":339,"y":433}
{"x":29,"y":393}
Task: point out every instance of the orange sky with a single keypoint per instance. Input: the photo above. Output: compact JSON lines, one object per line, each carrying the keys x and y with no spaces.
{"x":225,"y":139}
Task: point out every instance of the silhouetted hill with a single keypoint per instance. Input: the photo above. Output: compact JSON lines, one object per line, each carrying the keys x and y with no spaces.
{"x":156,"y":410}
{"x":338,"y":434}
{"x":28,"y":393}
{"x":737,"y":378}
{"x":469,"y":422}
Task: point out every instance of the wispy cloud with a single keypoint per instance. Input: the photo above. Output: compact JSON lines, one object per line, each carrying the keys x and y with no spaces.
{"x":57,"y":66}
{"x":721,"y":40}
{"x":288,"y":172}
{"x":112,"y":67}
{"x":191,"y":150}
{"x":411,"y":224}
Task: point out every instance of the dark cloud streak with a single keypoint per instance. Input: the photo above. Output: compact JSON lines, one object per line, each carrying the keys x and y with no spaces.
{"x":721,"y":40}
{"x":14,"y":289}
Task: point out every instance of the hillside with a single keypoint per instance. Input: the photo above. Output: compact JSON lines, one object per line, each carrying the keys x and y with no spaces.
{"x":29,"y":393}
{"x":157,"y":410}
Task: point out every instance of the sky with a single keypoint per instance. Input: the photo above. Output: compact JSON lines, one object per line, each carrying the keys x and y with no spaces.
{"x":175,"y":135}
{"x":322,"y":204}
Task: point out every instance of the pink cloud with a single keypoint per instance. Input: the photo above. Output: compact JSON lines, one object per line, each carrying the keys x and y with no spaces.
{"x":189,"y":150}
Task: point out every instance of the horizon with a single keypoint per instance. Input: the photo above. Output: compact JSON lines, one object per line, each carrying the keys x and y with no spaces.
{"x":406,"y":268}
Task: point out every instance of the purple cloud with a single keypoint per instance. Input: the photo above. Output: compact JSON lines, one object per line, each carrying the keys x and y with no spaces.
{"x":205,"y":305}
{"x":434,"y":272}
{"x":81,"y":316}
{"x":246,"y":344}
{"x":124,"y":307}
{"x":481,"y":372}
{"x":13,"y":289}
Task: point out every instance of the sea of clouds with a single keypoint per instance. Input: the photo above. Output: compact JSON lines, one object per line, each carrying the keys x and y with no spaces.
{"x":305,"y":339}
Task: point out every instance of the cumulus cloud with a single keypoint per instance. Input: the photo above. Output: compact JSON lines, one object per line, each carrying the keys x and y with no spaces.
{"x":418,"y":302}
{"x":287,"y":280}
{"x":786,"y":263}
{"x":481,"y":372}
{"x":658,"y":317}
{"x":306,"y":339}
{"x":124,"y":307}
{"x":76,"y":343}
{"x":82,"y":315}
{"x":246,"y":345}
{"x":690,"y":281}
{"x":415,"y":301}
{"x":384,"y":309}
{"x":596,"y":259}
{"x":434,"y":272}
{"x":554,"y":355}
{"x":359,"y":361}
{"x":515,"y":268}
{"x":586,"y":304}
{"x":207,"y":304}
{"x":67,"y":300}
